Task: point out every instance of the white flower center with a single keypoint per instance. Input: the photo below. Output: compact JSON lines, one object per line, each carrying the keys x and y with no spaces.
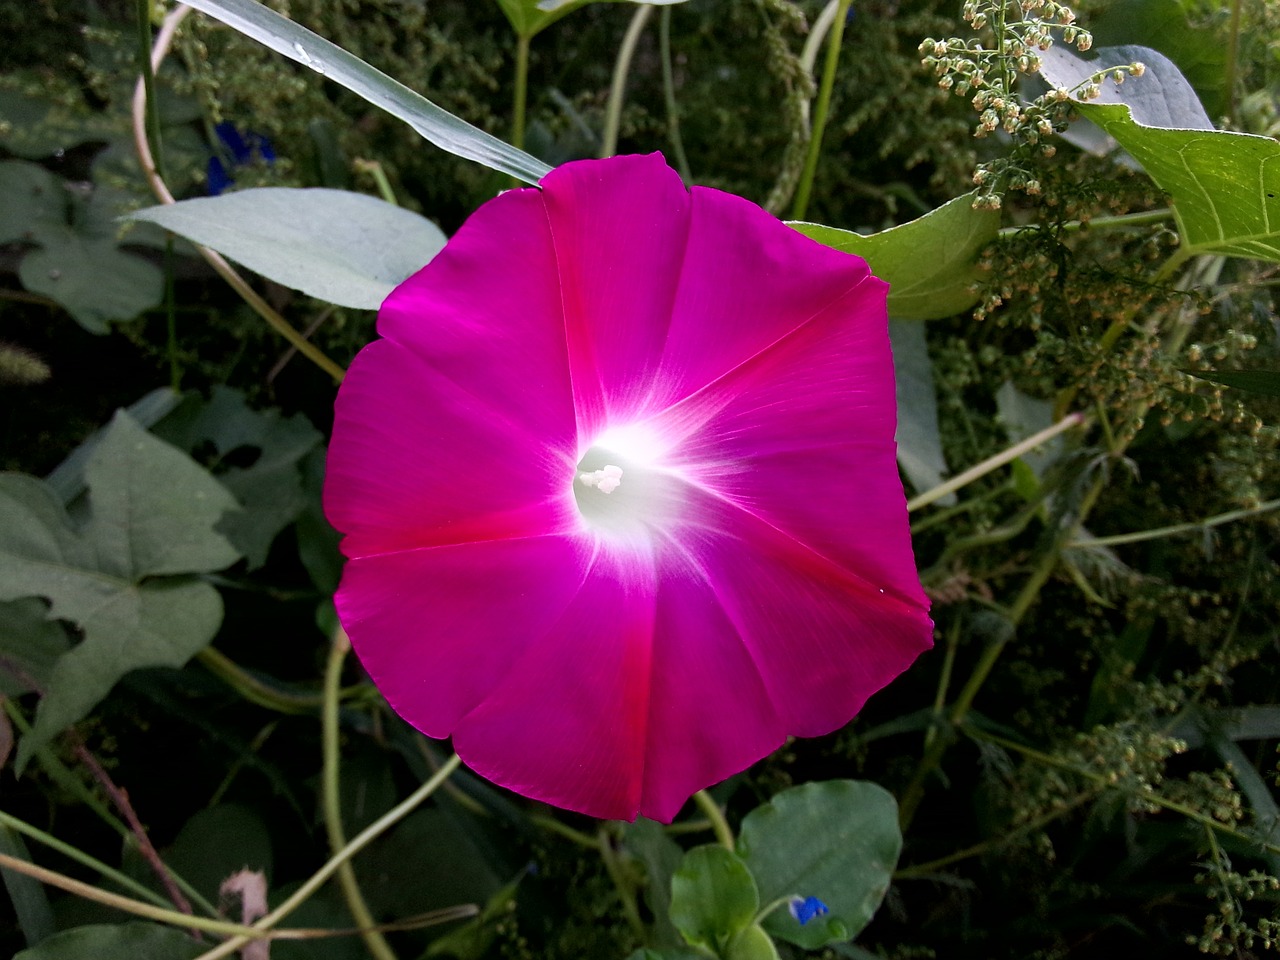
{"x":621,"y":493}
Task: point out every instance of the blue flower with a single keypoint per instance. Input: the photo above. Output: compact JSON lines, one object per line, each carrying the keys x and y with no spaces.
{"x":235,"y":149}
{"x":805,"y":909}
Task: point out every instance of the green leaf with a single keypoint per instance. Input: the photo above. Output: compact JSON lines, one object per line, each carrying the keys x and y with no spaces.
{"x":435,"y":124}
{"x":661,"y":857}
{"x":270,"y":491}
{"x":120,"y":576}
{"x":713,"y":896}
{"x":1224,"y":186}
{"x":919,"y":439}
{"x":1266,"y":382}
{"x":30,"y":645}
{"x":751,"y":944}
{"x":836,"y":840}
{"x":528,"y":18}
{"x":929,"y":262}
{"x":334,"y":245}
{"x":96,"y":281}
{"x":29,"y":194}
{"x":109,"y":941}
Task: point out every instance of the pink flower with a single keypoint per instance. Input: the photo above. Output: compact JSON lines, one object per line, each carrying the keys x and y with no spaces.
{"x":619,"y":492}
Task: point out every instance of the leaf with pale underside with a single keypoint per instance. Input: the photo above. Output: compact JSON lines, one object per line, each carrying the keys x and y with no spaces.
{"x":125,"y":576}
{"x":334,"y":245}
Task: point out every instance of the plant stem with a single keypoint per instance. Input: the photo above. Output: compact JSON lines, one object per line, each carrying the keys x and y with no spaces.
{"x":215,"y":260}
{"x":820,"y":112}
{"x":362,"y":840}
{"x":82,"y":858}
{"x":374,"y":942}
{"x":253,"y":689}
{"x":626,"y":890}
{"x":719,"y":825}
{"x":1232,"y":65}
{"x":147,"y":70}
{"x":992,"y":463}
{"x":518,"y":108}
{"x":669,"y":94}
{"x":1158,"y":532}
{"x":1140,"y":219}
{"x":618,"y":89}
{"x":374,"y":169}
{"x":563,"y":829}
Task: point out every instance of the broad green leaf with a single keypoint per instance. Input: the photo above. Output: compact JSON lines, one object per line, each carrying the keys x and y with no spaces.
{"x":929,"y":262}
{"x":270,"y":490}
{"x":1266,"y":382}
{"x":713,"y":896}
{"x":751,"y":944}
{"x":334,"y":245}
{"x":109,"y":941}
{"x":29,"y":194}
{"x":1224,"y":186}
{"x":94,"y":279}
{"x":434,"y":123}
{"x":30,"y":645}
{"x":215,"y":843}
{"x":919,"y":439}
{"x":836,"y":840}
{"x":120,"y":576}
{"x":649,"y":843}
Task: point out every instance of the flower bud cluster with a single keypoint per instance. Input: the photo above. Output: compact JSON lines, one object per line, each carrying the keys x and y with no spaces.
{"x":1012,"y":35}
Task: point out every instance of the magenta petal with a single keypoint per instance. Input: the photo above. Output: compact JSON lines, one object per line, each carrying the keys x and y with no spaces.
{"x":438,"y":629}
{"x":485,"y":314}
{"x":747,"y":281}
{"x":417,"y":460}
{"x":822,"y":640}
{"x":619,"y":231}
{"x":567,"y":724}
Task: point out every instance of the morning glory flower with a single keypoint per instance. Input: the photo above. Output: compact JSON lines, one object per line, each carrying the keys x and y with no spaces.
{"x":805,"y":909}
{"x":618,"y":491}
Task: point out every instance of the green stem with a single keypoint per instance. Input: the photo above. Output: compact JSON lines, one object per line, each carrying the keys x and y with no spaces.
{"x":626,"y":890}
{"x":374,"y":941}
{"x":618,"y":89}
{"x":143,"y":9}
{"x":669,"y":94}
{"x":84,"y":859}
{"x":1158,"y":532}
{"x":1233,"y":55}
{"x":1120,"y":221}
{"x":820,"y":112}
{"x":321,"y":876}
{"x":253,"y":689}
{"x":519,"y":107}
{"x":944,"y":682}
{"x":374,"y":169}
{"x":917,"y":870}
{"x":719,"y":825}
{"x":992,"y":463}
{"x":553,"y":825}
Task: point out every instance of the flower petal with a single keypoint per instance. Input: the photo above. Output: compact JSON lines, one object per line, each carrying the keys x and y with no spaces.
{"x":567,"y":723}
{"x":485,"y":313}
{"x":801,"y":436}
{"x":620,"y":231}
{"x":438,"y":629}
{"x":821,"y":639}
{"x":416,"y":460}
{"x":747,"y":281}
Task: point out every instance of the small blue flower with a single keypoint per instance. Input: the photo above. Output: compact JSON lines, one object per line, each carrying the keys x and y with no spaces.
{"x":235,"y":149}
{"x":805,"y":909}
